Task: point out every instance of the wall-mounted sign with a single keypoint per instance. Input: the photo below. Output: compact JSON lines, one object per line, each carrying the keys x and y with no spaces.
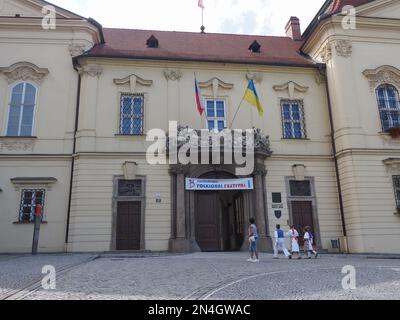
{"x":278,"y":214}
{"x":277,"y":206}
{"x":158,"y":198}
{"x":230,"y":184}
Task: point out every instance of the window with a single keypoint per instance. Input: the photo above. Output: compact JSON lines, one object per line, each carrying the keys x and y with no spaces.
{"x":29,"y":200}
{"x":21,"y":110}
{"x":129,"y":188}
{"x":276,"y":197}
{"x":300,"y":188}
{"x":396,"y":186}
{"x":293,"y":120}
{"x":216,"y":115}
{"x":389,"y":106}
{"x":132,"y":114}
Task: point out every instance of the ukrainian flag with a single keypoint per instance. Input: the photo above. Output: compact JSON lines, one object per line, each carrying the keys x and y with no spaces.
{"x":251,"y":97}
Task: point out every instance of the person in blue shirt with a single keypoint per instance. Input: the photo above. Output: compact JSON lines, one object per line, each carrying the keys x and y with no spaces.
{"x":280,"y":243}
{"x":253,"y":239}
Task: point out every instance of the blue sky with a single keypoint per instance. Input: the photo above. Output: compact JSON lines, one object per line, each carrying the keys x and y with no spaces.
{"x":263,"y":17}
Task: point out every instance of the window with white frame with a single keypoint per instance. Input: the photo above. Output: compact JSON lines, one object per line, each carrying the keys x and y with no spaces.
{"x":30,"y":199}
{"x":389,"y":106}
{"x":216,"y":114}
{"x":21,"y":110}
{"x":132,"y":114}
{"x":293,"y":122}
{"x":396,"y":186}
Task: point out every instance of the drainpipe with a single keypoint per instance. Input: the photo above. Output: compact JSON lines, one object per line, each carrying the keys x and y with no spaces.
{"x":322,"y":70}
{"x":76,"y":65}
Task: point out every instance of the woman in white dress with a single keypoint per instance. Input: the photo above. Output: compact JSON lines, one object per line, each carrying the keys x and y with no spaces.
{"x":293,"y":234}
{"x":308,"y":243}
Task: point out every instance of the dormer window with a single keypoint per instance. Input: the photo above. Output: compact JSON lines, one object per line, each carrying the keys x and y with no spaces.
{"x":152,"y":42}
{"x":255,"y":47}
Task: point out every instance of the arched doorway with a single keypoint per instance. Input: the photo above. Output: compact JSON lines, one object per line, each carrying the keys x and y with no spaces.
{"x":219,"y":217}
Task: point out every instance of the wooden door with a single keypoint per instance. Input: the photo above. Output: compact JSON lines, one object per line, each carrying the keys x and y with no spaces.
{"x":128,"y":226}
{"x":207,"y":221}
{"x":302,"y":217}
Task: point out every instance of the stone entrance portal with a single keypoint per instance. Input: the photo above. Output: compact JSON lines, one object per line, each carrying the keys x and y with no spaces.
{"x":218,"y":220}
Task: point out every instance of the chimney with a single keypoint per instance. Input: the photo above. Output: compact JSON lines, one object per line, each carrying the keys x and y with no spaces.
{"x":293,"y":29}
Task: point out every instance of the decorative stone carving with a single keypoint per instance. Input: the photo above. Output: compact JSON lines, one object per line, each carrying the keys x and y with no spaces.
{"x":343,"y":48}
{"x":320,"y":77}
{"x":291,"y":87}
{"x":173,"y":75}
{"x":382,"y":75}
{"x":299,"y":172}
{"x":92,"y":70}
{"x":392,"y":165}
{"x":17,"y":145}
{"x":326,"y":53}
{"x":24,"y":71}
{"x":257,"y":77}
{"x":133,"y":80}
{"x":261,"y":142}
{"x":215,"y":84}
{"x":130,"y":170}
{"x":76,"y":49}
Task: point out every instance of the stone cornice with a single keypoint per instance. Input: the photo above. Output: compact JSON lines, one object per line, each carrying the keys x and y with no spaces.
{"x":35,"y":24}
{"x":24,"y":71}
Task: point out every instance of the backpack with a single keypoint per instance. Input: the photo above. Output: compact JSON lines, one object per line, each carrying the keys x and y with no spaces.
{"x":281,"y":234}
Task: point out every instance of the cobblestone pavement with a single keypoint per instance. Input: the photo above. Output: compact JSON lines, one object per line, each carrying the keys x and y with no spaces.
{"x":213,"y":276}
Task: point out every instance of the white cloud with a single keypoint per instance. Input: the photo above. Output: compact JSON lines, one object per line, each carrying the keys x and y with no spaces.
{"x":264,"y":17}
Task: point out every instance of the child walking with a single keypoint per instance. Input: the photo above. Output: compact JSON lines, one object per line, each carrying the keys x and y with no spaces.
{"x":280,"y":243}
{"x":308,"y":243}
{"x":253,"y":238}
{"x":293,"y":234}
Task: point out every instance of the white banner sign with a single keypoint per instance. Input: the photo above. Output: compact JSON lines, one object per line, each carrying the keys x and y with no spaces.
{"x":231,"y":184}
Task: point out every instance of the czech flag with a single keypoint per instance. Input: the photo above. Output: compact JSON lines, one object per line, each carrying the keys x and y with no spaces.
{"x":199,"y":99}
{"x":251,"y":97}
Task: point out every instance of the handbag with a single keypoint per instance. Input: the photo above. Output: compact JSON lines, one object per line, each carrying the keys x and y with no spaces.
{"x":252,"y":239}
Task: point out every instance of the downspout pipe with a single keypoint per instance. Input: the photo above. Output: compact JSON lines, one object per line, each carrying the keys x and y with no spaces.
{"x":322,"y":69}
{"x":77,"y":108}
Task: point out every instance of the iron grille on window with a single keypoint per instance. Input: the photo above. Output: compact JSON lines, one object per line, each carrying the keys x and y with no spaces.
{"x":396,"y":186}
{"x":300,"y":188}
{"x":132,"y":114}
{"x":389,"y":106}
{"x":29,"y":200}
{"x":130,"y":188}
{"x":293,"y":120}
{"x":276,"y":197}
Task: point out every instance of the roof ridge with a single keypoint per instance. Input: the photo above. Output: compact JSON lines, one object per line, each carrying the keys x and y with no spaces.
{"x":198,"y":33}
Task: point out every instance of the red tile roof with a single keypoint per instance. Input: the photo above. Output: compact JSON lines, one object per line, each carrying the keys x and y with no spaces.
{"x":337,"y":5}
{"x":208,"y":47}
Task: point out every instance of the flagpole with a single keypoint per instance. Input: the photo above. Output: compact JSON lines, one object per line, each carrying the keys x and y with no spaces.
{"x":237,"y":111}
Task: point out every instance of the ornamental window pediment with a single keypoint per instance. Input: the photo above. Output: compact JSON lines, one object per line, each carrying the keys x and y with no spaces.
{"x":24,"y":71}
{"x":290,"y":89}
{"x":383,"y":75}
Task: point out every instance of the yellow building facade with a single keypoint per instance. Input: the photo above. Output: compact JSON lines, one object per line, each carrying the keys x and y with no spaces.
{"x":78,"y":103}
